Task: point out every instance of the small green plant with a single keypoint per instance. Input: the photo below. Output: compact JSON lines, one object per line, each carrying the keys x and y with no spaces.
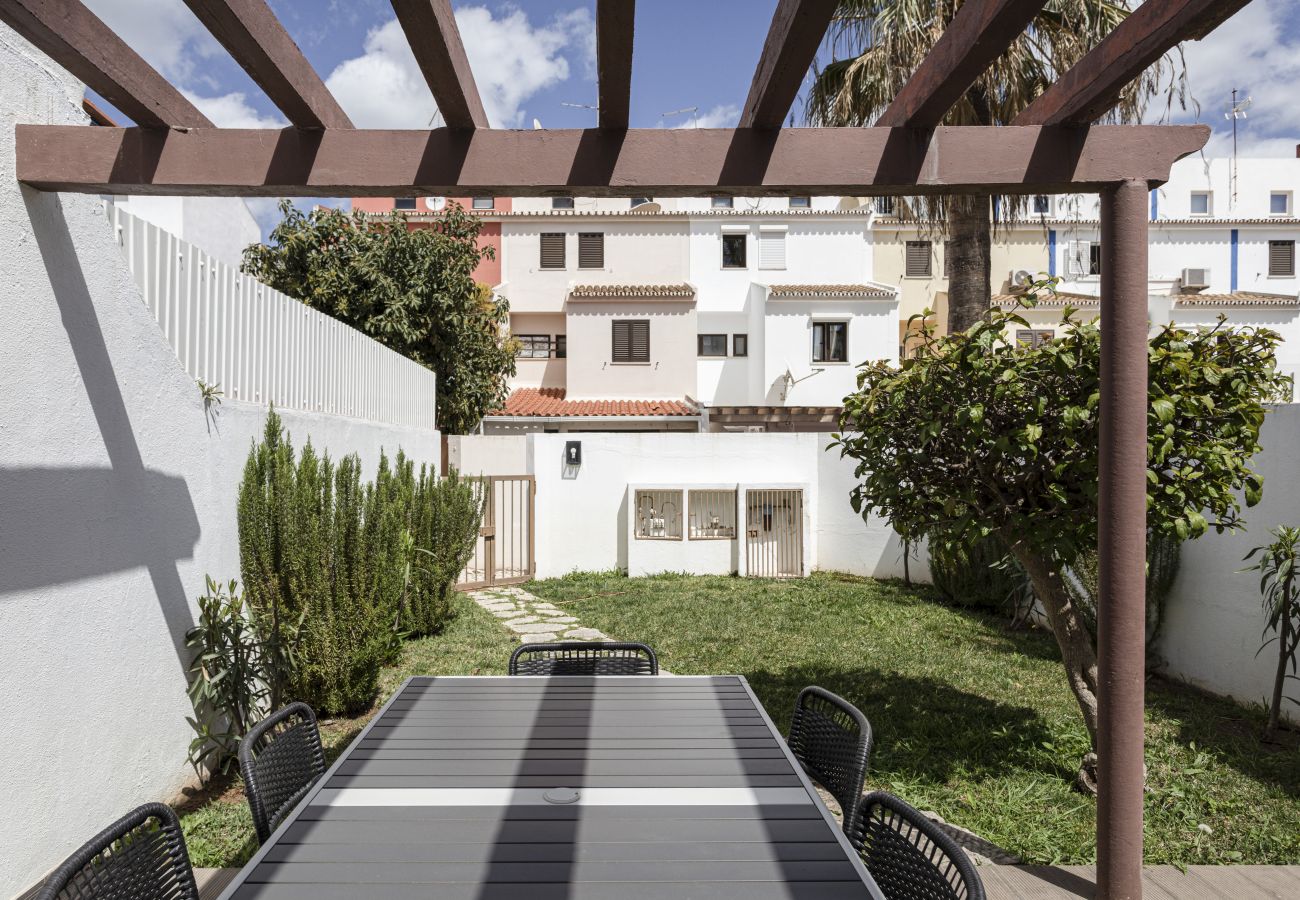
{"x":211,"y":393}
{"x":1281,"y":592}
{"x":227,"y":677}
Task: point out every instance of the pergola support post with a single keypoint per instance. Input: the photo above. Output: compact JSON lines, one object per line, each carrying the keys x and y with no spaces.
{"x":1121,"y":541}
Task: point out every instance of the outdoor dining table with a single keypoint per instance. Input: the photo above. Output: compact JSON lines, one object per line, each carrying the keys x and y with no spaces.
{"x":586,"y":788}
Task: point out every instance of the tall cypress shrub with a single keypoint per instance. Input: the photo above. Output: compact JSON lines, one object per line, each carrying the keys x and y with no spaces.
{"x":445,"y":519}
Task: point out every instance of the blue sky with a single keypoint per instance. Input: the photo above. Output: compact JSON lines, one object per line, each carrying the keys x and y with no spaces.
{"x":532,"y":56}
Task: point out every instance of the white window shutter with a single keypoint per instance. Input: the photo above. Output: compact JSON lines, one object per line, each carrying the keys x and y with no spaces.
{"x":771,"y":249}
{"x":1077,"y":257}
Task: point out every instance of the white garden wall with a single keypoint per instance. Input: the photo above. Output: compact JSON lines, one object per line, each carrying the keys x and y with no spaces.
{"x":117,"y":497}
{"x":1214,"y":618}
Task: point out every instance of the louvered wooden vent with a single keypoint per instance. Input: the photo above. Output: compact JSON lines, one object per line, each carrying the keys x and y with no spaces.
{"x":552,"y":250}
{"x":1281,"y":258}
{"x":591,"y":250}
{"x":631,"y":341}
{"x":918,"y":259}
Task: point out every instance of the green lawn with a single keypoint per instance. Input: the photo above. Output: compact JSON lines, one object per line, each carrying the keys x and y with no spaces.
{"x":971,"y":719}
{"x":218,"y":827}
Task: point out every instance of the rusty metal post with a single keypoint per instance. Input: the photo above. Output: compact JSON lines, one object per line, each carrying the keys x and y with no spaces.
{"x":1121,"y":541}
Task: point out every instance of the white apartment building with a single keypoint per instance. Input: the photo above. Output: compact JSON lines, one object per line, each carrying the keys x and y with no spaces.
{"x":685,"y":314}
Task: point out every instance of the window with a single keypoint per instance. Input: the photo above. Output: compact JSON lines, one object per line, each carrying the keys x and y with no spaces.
{"x":561,"y":203}
{"x":1279,"y":203}
{"x":591,"y":250}
{"x":561,"y":346}
{"x":733,"y":251}
{"x":713,"y":345}
{"x":1200,"y":203}
{"x":1042,"y":205}
{"x":830,"y":342}
{"x":404,"y":203}
{"x":658,"y":515}
{"x":1281,"y":259}
{"x":484,"y":203}
{"x":722,"y":203}
{"x":1094,"y":259}
{"x":884,"y":206}
{"x":1082,"y":258}
{"x":631,"y":341}
{"x":801,"y":202}
{"x":552,"y":250}
{"x":533,"y":346}
{"x":918,"y":259}
{"x":641,"y":201}
{"x":740,"y":345}
{"x":771,"y":248}
{"x":712,"y":515}
{"x":1034,"y":337}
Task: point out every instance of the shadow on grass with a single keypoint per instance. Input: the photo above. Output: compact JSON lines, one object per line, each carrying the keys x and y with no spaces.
{"x":923,"y":728}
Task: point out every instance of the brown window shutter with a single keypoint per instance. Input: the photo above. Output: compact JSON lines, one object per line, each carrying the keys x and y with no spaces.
{"x":591,"y":250}
{"x":552,"y":250}
{"x":1281,"y":258}
{"x":631,"y":341}
{"x":640,"y":342}
{"x":918,"y":259}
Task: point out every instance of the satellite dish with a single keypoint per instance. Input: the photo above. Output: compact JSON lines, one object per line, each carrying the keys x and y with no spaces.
{"x":435,"y":203}
{"x":650,"y":206}
{"x":537,"y":124}
{"x":848,"y":204}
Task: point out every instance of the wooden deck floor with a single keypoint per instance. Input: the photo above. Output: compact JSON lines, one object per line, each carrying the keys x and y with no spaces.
{"x":1158,"y":882}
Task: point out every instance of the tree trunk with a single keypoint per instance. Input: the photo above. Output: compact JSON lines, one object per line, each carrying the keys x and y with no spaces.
{"x":968,"y":261}
{"x":1072,"y":637}
{"x":1283,"y":651}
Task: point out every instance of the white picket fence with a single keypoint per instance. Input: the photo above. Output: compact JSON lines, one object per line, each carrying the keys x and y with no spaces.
{"x":262,"y":346}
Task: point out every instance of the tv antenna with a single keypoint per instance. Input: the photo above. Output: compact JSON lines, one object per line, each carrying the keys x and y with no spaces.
{"x":693,"y":110}
{"x":1236,"y":110}
{"x":595,"y":109}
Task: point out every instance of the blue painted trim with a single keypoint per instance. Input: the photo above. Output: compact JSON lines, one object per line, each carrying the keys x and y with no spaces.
{"x":1155,"y":204}
{"x":1234,"y":259}
{"x":997,"y":208}
{"x":1051,"y":251}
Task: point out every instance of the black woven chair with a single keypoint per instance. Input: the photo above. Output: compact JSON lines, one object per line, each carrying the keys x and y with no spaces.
{"x":281,"y":758}
{"x":908,"y":855}
{"x":584,"y":658}
{"x":141,"y":856}
{"x":831,"y":738}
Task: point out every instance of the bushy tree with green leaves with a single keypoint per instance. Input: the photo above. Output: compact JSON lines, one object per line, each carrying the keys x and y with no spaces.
{"x":411,"y":289}
{"x":978,"y":436}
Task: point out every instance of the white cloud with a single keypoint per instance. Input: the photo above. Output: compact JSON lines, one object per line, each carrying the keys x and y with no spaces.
{"x":1257,"y":54}
{"x":511,"y":58}
{"x":166,"y":34}
{"x":233,"y":111}
{"x":724,"y":115}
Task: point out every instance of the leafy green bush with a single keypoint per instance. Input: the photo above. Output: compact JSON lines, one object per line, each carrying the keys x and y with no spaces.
{"x":1164,"y":552}
{"x":980,"y":574}
{"x":445,"y":520}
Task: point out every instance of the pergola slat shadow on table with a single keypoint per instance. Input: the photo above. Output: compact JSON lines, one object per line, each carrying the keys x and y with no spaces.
{"x":1050,"y":148}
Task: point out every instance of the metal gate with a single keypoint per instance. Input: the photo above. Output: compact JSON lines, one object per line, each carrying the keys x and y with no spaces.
{"x":503,"y":553}
{"x":774,"y":533}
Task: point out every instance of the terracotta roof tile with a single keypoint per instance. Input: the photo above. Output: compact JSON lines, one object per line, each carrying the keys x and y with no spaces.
{"x":550,"y":403}
{"x":1237,"y":298}
{"x":629,"y":291}
{"x":1059,"y":300}
{"x":828,"y":290}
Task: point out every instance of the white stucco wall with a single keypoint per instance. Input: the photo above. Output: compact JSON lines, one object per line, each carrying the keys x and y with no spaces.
{"x":1214,"y":617}
{"x":117,"y":496}
{"x":669,"y":375}
{"x":476,"y":454}
{"x":788,"y":346}
{"x":219,"y":226}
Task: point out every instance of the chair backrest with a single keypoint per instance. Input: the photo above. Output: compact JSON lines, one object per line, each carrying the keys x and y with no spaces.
{"x":909,"y":856}
{"x":141,"y":856}
{"x":280,"y":759}
{"x":584,"y":658}
{"x":831,"y":738}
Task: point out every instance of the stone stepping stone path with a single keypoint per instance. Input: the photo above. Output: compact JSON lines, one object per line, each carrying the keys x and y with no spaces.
{"x":532,"y":619}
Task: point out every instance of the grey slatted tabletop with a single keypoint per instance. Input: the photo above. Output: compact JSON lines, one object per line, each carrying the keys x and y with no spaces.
{"x":561,"y":788}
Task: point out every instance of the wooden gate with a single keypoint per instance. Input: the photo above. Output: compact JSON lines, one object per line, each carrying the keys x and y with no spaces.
{"x":774,"y":533}
{"x":503,"y":553}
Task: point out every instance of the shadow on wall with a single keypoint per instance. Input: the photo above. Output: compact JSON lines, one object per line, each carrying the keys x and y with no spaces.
{"x":62,"y":524}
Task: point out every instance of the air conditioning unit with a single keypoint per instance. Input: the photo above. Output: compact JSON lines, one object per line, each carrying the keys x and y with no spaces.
{"x":1197,"y":278}
{"x":1020,"y":278}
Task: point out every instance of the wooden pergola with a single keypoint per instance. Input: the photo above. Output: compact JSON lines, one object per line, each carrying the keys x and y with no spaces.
{"x":1050,"y":148}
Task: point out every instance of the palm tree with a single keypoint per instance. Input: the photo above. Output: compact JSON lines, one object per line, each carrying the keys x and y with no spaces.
{"x":885,"y":41}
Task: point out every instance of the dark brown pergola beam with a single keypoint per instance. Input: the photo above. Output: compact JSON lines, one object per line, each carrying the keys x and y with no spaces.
{"x":977,"y":35}
{"x":1092,"y":88}
{"x":430,"y":27}
{"x":78,"y":40}
{"x":615,"y":24}
{"x":798,"y":27}
{"x":249,"y":30}
{"x":597,"y":162}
